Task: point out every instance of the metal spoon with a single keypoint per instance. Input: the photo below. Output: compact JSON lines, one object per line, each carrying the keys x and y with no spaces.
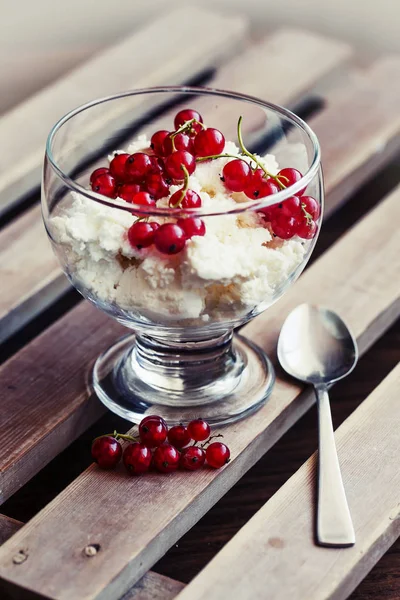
{"x":316,"y":347}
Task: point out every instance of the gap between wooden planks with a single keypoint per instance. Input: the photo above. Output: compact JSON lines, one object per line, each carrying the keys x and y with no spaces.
{"x":275,"y":550}
{"x":136,"y":520}
{"x":32,"y":281}
{"x":119,"y":68}
{"x":152,"y":586}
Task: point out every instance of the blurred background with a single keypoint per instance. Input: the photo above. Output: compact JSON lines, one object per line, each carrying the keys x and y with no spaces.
{"x":42,"y":39}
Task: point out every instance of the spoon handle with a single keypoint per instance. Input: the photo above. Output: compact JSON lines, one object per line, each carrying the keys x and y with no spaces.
{"x":334,"y":524}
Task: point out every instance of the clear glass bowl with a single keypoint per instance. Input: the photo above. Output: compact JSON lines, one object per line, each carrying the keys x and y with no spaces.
{"x":182,"y":359}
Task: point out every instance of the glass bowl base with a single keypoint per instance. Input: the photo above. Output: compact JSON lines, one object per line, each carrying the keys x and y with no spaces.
{"x":132,"y":391}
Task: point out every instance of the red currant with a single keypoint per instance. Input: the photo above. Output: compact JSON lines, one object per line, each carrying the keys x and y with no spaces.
{"x":217,"y":455}
{"x":128,"y":190}
{"x":137,"y":458}
{"x":192,"y":226}
{"x":99,"y":171}
{"x":209,"y":142}
{"x":237,"y":175}
{"x":157,"y":165}
{"x":106,"y":451}
{"x":117,"y":166}
{"x":105,"y":184}
{"x":191,"y":199}
{"x":284,"y":227}
{"x":311,"y":206}
{"x":157,"y":140}
{"x":188,"y":114}
{"x":179,"y":436}
{"x":290,"y":176}
{"x":153,"y":432}
{"x":166,"y":458}
{"x":192,"y":458}
{"x":260,"y":187}
{"x":141,"y":235}
{"x":181,"y":142}
{"x":199,"y":430}
{"x":144,"y":199}
{"x":175,"y":161}
{"x":306,"y":230}
{"x":137,"y":167}
{"x":156,"y":185}
{"x":170,"y":238}
{"x":289,"y":208}
{"x":152,"y":417}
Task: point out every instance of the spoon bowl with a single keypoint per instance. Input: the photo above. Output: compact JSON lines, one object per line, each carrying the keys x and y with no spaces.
{"x":315,"y":346}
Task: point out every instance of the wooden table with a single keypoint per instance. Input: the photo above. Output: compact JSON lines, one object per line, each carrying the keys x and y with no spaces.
{"x":260,"y":531}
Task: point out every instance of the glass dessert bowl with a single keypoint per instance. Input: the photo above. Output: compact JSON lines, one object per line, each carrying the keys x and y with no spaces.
{"x":199,"y":219}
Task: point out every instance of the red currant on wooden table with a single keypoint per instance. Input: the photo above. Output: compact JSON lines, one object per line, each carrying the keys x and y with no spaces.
{"x":188,"y":114}
{"x":137,"y":167}
{"x":157,"y":141}
{"x":128,"y":190}
{"x":117,"y":166}
{"x":191,"y":199}
{"x":170,"y":238}
{"x":106,"y":451}
{"x":99,"y":171}
{"x":153,"y":418}
{"x":217,"y":455}
{"x":192,"y":226}
{"x":141,"y":234}
{"x":137,"y":458}
{"x":153,"y":432}
{"x":192,"y":458}
{"x":105,"y":184}
{"x":199,"y":430}
{"x":209,"y":142}
{"x":166,"y":458}
{"x":289,"y":176}
{"x":179,"y":436}
{"x":175,"y":161}
{"x":236,"y":175}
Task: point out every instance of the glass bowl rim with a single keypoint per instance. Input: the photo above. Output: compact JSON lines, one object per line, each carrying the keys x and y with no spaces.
{"x":164,"y":212}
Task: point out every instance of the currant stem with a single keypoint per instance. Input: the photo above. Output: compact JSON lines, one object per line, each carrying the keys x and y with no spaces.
{"x":186,"y":126}
{"x":184,"y":188}
{"x":212,"y":437}
{"x":214,"y":156}
{"x":307,"y":215}
{"x":252,"y":156}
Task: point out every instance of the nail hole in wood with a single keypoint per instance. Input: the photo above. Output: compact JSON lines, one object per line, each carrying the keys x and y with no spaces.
{"x":20,"y":557}
{"x":91,"y":550}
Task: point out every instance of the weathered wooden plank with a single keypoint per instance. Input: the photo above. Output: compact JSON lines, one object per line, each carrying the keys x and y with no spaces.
{"x":355,"y":277}
{"x":359,"y":129}
{"x":8,"y":527}
{"x":121,"y":67}
{"x":275,"y":550}
{"x":152,"y":586}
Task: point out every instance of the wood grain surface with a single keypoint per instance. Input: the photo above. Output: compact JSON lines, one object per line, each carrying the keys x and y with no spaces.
{"x":152,"y":586}
{"x":276,"y":550}
{"x":368,"y":306}
{"x":124,"y":70}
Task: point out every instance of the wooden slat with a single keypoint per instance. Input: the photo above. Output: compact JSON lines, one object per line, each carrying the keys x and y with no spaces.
{"x":152,"y":586}
{"x":356,"y":278}
{"x":353,"y":151}
{"x":359,"y":129}
{"x":275,"y":550}
{"x":119,"y":68}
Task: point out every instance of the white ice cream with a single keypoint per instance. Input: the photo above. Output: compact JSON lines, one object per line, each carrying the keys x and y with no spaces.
{"x":224,"y":274}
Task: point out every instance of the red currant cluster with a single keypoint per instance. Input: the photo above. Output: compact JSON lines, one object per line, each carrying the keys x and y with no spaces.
{"x":143,"y":179}
{"x":164,"y":449}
